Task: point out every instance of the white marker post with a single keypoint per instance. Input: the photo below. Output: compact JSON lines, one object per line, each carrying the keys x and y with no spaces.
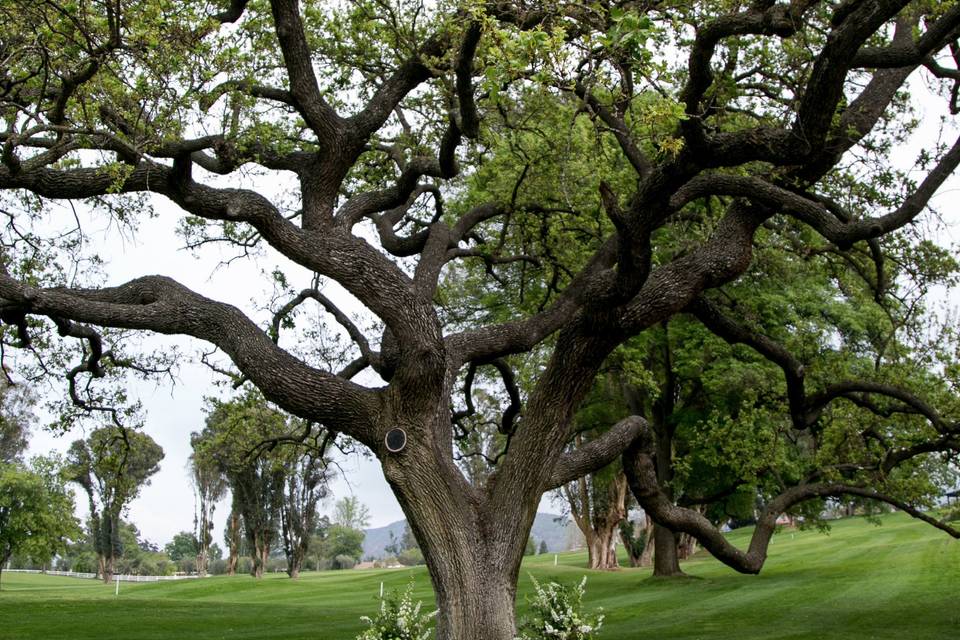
{"x":556,"y":558}
{"x":381,"y":590}
{"x":117,"y":592}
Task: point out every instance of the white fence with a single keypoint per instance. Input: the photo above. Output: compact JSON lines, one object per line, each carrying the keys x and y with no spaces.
{"x":120,"y":577}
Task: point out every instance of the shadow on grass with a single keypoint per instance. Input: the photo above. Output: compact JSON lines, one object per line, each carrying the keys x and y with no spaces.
{"x":672,"y":581}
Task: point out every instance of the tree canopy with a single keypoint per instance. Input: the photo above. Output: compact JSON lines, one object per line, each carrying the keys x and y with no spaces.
{"x":111,"y":465}
{"x":643,"y":160}
{"x":36,"y":511}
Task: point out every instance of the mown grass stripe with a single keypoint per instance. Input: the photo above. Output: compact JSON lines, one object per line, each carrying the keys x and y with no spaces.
{"x":894,"y":582}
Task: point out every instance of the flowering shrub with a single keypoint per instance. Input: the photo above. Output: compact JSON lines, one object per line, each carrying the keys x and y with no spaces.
{"x":398,"y":619}
{"x":556,"y":614}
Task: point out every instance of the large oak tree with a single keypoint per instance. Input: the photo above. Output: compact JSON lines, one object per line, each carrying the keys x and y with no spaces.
{"x":750,"y":112}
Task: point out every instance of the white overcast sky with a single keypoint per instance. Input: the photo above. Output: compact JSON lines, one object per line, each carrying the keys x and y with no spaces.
{"x":173,"y":411}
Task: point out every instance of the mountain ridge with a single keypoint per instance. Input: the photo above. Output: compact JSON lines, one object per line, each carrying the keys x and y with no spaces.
{"x":547,"y":527}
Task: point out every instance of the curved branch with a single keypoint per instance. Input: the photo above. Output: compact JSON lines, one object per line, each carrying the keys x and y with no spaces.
{"x":825,"y":86}
{"x":805,"y":410}
{"x":843,"y":234}
{"x":597,"y":453}
{"x":641,"y":474}
{"x":512,"y":411}
{"x":469,"y":118}
{"x":377,"y":282}
{"x":155,"y":303}
{"x":912,"y":53}
{"x":232,"y":13}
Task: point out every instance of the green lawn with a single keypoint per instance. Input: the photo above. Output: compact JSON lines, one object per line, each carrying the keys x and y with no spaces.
{"x":897,"y":581}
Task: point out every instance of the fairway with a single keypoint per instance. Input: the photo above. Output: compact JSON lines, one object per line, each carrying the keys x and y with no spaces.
{"x":895,"y":581}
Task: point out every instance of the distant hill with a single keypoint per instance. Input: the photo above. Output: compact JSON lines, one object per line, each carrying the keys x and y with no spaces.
{"x":545,"y":527}
{"x":376,"y":541}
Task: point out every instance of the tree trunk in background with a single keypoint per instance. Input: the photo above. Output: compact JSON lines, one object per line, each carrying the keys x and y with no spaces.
{"x":631,"y":536}
{"x":598,"y":512}
{"x":609,"y":513}
{"x":233,"y":535}
{"x":686,"y":547}
{"x":603,"y":553}
{"x":260,"y":553}
{"x":578,"y":498}
{"x":3,"y":563}
{"x":665,"y":560}
{"x":202,"y":563}
{"x":295,"y":562}
{"x":107,"y":564}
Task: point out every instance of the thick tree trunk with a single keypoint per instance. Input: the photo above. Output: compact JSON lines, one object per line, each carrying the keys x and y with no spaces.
{"x":472,"y":549}
{"x":665,"y":560}
{"x":474,"y":575}
{"x":107,"y":565}
{"x":294,"y":563}
{"x":476,"y":603}
{"x":260,"y":555}
{"x":603,"y":552}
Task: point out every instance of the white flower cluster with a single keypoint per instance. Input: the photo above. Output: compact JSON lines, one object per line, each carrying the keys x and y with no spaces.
{"x":399,"y":618}
{"x":556,"y":614}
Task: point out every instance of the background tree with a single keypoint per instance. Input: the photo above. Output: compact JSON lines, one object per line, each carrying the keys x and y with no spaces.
{"x":307,"y":478}
{"x":344,"y":537}
{"x":15,"y":418}
{"x":140,"y":556}
{"x":342,"y":543}
{"x":351,"y":513}
{"x":276,"y":471}
{"x":735,"y":127}
{"x":598,"y":501}
{"x":183,"y":547}
{"x":36,"y":511}
{"x":209,"y":486}
{"x":234,"y":438}
{"x":319,"y":542}
{"x":233,"y":536}
{"x":111,"y":466}
{"x":405,"y":548}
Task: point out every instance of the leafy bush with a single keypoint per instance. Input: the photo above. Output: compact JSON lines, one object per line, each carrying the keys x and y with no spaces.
{"x":217,"y":567}
{"x":411,"y":558}
{"x":344,"y":562}
{"x":556,"y":614}
{"x":399,"y":619}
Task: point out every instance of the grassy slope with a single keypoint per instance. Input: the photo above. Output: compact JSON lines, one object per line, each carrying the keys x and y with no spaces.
{"x":895,"y":581}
